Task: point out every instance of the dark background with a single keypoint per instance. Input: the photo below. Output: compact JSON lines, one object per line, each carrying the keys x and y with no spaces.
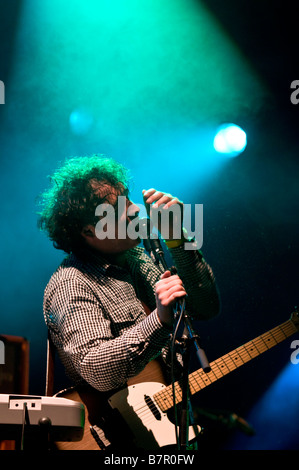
{"x":250,"y":203}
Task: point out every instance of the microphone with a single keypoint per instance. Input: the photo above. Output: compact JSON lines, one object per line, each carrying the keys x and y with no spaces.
{"x":240,"y":423}
{"x":154,"y":247}
{"x":228,"y":419}
{"x":145,"y":227}
{"x":152,"y":244}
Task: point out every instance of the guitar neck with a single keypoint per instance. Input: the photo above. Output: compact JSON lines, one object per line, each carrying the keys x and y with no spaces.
{"x":226,"y":364}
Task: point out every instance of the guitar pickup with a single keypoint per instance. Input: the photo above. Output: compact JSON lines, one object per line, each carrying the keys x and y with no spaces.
{"x":152,"y":407}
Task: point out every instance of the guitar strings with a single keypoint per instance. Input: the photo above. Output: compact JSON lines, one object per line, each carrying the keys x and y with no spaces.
{"x":220,"y":367}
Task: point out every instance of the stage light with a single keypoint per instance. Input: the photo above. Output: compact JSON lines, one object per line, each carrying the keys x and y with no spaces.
{"x":80,"y":121}
{"x":273,"y":417}
{"x":230,"y":140}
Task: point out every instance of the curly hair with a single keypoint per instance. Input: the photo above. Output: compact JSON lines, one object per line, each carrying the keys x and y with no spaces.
{"x":77,"y":188}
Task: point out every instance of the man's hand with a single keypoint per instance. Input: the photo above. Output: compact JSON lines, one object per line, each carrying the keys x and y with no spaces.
{"x":168,"y":290}
{"x":154,"y":200}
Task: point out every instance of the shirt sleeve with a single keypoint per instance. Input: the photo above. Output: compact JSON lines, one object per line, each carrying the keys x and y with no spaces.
{"x":82,"y":334}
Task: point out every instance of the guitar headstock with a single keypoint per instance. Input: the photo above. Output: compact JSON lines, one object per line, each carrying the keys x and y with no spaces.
{"x":295,"y":318}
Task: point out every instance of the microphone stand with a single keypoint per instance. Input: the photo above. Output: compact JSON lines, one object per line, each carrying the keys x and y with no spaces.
{"x":189,"y":337}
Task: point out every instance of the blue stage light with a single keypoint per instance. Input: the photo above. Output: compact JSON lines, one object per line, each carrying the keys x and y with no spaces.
{"x":274,"y":417}
{"x":230,"y":140}
{"x":80,"y":121}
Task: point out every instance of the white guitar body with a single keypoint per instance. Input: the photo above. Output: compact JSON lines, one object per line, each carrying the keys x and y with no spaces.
{"x":150,"y":426}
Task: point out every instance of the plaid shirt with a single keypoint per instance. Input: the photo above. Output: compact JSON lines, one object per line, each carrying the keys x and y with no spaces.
{"x":96,"y":318}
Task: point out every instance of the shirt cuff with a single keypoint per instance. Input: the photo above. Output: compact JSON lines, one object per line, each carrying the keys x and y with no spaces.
{"x":154,"y":331}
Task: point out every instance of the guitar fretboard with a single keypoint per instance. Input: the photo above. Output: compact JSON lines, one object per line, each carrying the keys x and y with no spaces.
{"x":226,"y":364}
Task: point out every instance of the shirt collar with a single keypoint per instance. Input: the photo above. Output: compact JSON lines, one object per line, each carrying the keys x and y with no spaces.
{"x":95,"y":258}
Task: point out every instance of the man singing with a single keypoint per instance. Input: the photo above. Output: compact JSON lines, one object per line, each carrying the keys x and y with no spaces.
{"x":108,"y":307}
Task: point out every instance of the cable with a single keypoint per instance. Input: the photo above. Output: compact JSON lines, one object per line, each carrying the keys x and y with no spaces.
{"x":173,"y":360}
{"x":25,"y":420}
